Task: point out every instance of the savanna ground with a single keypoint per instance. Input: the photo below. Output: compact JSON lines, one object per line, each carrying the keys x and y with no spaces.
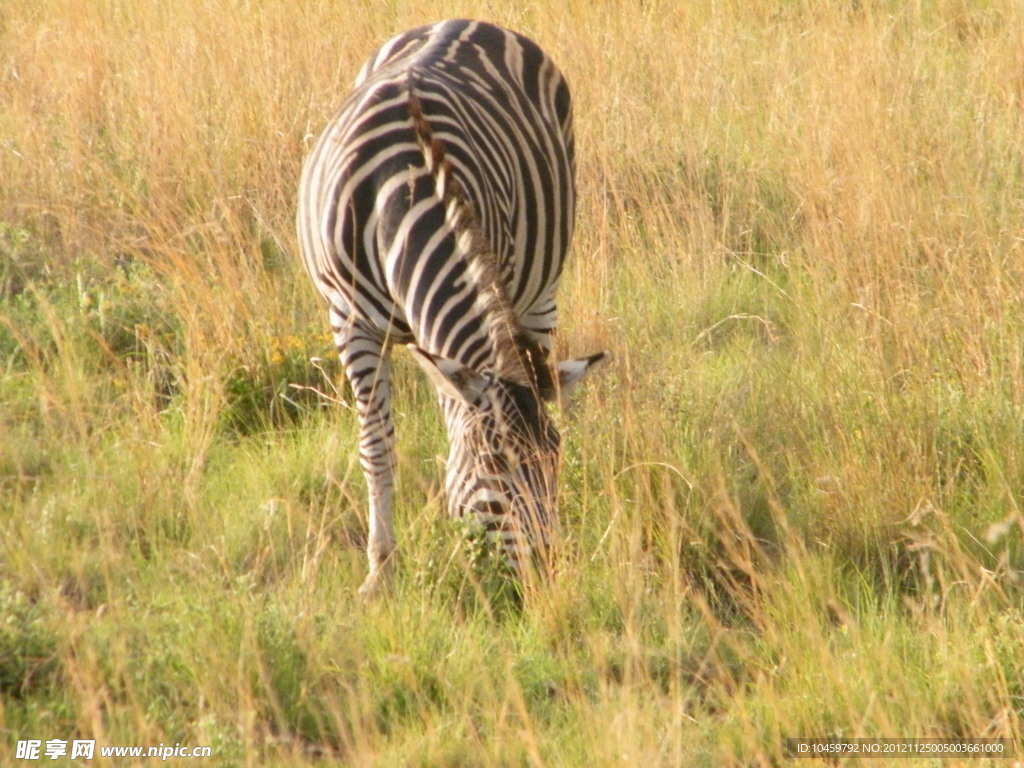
{"x":791,"y":505}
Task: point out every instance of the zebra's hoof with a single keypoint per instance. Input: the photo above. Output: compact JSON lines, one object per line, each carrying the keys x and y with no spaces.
{"x":378,"y":579}
{"x":372,"y":586}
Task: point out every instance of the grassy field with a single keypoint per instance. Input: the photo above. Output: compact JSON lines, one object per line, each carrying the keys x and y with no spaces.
{"x":791,"y":505}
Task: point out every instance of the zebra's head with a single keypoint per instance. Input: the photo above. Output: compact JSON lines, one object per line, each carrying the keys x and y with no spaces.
{"x":504,"y":449}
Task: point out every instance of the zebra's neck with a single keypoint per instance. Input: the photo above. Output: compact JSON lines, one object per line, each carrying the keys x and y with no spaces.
{"x":502,"y":347}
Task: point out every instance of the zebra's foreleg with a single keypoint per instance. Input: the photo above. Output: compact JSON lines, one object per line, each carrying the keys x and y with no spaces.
{"x":365,"y":357}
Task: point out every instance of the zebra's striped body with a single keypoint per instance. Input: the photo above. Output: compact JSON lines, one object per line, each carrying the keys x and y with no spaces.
{"x":435,"y":210}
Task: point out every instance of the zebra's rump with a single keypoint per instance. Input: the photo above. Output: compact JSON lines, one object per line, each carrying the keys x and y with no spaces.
{"x":378,"y":235}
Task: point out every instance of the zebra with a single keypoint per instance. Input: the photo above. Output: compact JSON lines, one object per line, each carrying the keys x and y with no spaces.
{"x":435,"y":211}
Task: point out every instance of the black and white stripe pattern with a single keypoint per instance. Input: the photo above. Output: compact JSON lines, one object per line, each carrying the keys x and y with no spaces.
{"x":435,"y":210}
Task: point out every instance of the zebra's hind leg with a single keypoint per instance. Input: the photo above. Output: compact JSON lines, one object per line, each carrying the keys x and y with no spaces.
{"x":365,"y":358}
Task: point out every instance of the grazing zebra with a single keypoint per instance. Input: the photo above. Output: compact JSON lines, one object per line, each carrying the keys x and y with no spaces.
{"x":435,"y":211}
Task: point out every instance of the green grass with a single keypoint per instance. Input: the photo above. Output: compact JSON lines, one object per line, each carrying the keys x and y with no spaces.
{"x":791,"y":504}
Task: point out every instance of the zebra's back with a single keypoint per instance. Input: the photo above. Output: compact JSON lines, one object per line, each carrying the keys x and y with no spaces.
{"x":502,"y":113}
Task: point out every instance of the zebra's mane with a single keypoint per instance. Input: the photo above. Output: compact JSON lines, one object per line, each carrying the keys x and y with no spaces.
{"x":519,"y":358}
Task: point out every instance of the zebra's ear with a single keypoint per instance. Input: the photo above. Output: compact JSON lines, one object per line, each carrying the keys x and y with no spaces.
{"x":570,"y":372}
{"x":450,"y":378}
